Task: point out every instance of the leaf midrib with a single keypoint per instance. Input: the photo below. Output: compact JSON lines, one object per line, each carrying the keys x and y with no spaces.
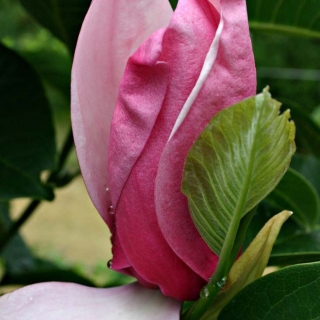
{"x":246,"y":185}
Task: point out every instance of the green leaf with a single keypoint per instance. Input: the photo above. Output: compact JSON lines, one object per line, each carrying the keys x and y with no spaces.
{"x":291,"y":293}
{"x":27,"y":140}
{"x":53,"y":67}
{"x":241,"y":235}
{"x":63,"y":18}
{"x":251,"y":264}
{"x":309,"y":167}
{"x":237,"y":160}
{"x":16,"y":256}
{"x":299,"y":248}
{"x":173,"y":3}
{"x":285,"y":16}
{"x":294,"y":244}
{"x":295,"y":193}
{"x":308,"y":131}
{"x":43,"y":271}
{"x":2,"y":269}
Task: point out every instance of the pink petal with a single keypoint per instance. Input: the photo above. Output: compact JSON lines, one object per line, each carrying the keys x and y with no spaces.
{"x":231,"y":80}
{"x":111,"y":32}
{"x":69,"y":301}
{"x":145,"y":104}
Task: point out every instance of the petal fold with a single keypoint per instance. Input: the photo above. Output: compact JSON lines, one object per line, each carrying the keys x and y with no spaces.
{"x":184,"y":46}
{"x":232,"y":79}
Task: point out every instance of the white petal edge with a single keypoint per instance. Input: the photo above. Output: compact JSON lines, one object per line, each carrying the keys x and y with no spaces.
{"x":69,"y":301}
{"x":207,"y":67}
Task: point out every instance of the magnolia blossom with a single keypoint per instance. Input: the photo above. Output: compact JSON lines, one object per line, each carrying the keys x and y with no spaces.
{"x":159,"y":77}
{"x":145,"y":82}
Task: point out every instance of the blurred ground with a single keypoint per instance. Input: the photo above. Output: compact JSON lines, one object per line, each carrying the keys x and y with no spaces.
{"x":69,"y":228}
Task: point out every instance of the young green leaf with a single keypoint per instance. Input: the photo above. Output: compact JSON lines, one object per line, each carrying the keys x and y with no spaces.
{"x":250,"y":266}
{"x":291,"y":293}
{"x":237,"y":160}
{"x":286,"y":16}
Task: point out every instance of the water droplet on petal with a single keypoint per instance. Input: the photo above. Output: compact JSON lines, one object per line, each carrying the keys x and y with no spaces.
{"x":222,"y":282}
{"x":109,"y":264}
{"x":110,"y":210}
{"x":107,"y":189}
{"x":30,"y":298}
{"x":204,"y":292}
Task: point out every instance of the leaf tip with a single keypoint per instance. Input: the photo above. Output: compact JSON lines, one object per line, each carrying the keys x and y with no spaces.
{"x":266,"y":89}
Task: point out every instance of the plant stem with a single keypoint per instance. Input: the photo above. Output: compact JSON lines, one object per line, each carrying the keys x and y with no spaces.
{"x":15,"y":226}
{"x":218,"y":279}
{"x":18,"y":223}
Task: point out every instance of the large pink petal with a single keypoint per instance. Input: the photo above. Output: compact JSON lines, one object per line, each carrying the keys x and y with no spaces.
{"x":231,"y":79}
{"x":69,"y":301}
{"x":111,"y":32}
{"x":184,"y":47}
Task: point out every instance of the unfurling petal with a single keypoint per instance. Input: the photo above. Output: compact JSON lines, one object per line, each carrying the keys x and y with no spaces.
{"x":231,"y":79}
{"x":69,"y":301}
{"x":111,"y":32}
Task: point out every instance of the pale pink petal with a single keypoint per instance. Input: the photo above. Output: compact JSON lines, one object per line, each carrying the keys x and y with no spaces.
{"x":185,"y":44}
{"x":111,"y":32}
{"x":69,"y":301}
{"x":232,"y":79}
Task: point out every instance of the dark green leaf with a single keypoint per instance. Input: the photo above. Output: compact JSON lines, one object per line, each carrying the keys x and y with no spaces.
{"x":53,"y":67}
{"x":27,"y":141}
{"x":63,"y":18}
{"x":286,"y":16}
{"x":43,"y":271}
{"x":16,"y":255}
{"x":298,"y":248}
{"x":2,"y":269}
{"x":296,"y":194}
{"x":309,"y":167}
{"x":294,"y":245}
{"x":173,"y":3}
{"x":308,"y":132}
{"x":236,"y":161}
{"x":291,"y":293}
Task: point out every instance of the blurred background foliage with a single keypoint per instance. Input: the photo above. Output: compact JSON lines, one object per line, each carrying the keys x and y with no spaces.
{"x":37,"y":155}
